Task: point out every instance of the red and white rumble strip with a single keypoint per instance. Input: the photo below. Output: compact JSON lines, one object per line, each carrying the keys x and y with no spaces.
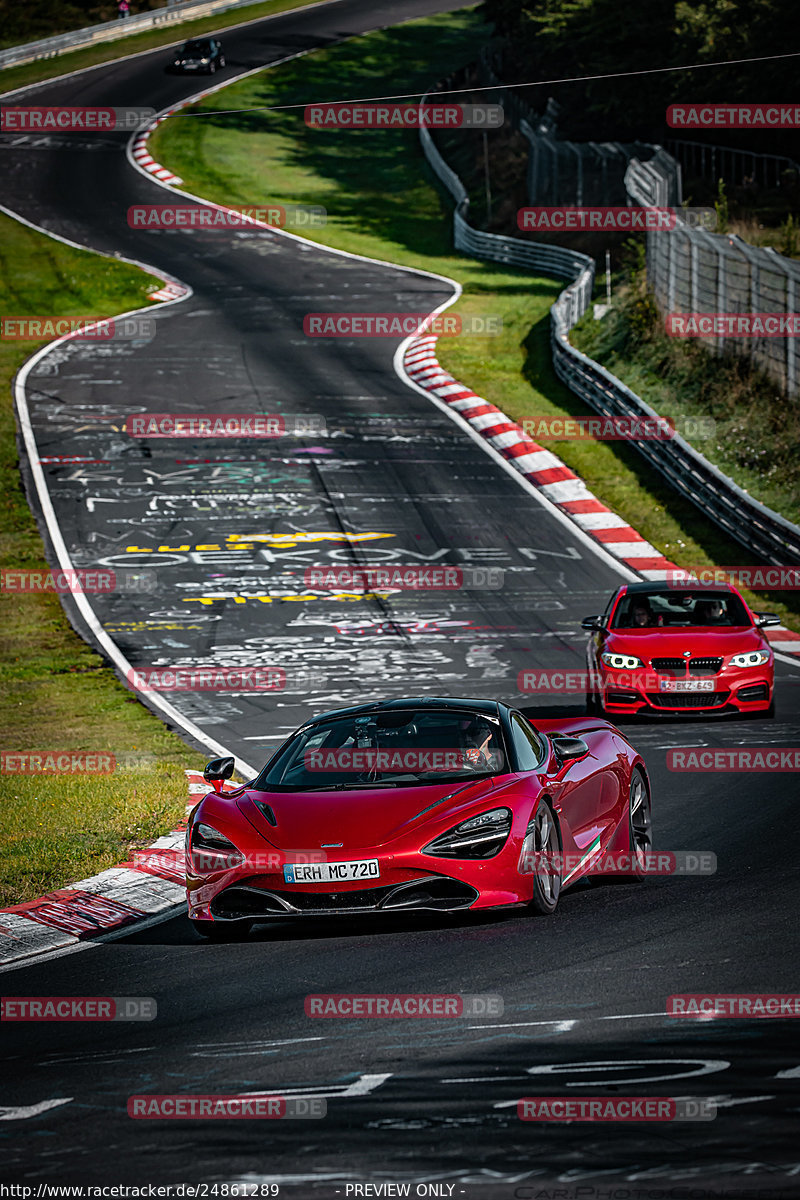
{"x":549,"y":474}
{"x":144,"y":158}
{"x":120,"y":896}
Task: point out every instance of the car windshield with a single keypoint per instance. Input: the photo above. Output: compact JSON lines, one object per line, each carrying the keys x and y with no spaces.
{"x":673,"y":609}
{"x":196,"y":48}
{"x":393,"y":748}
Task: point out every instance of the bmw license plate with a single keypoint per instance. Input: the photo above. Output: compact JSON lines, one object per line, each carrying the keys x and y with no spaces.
{"x":331,"y":872}
{"x":687,"y":685}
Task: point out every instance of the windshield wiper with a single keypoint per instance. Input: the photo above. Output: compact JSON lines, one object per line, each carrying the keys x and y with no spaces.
{"x":346,"y":787}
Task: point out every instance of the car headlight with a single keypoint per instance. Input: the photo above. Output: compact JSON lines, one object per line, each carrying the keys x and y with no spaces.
{"x":621,"y":662}
{"x":205,"y":61}
{"x":479,"y":837}
{"x":209,"y":850}
{"x":753,"y":658}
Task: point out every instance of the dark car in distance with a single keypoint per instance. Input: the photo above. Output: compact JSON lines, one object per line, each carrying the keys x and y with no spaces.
{"x":200,"y":55}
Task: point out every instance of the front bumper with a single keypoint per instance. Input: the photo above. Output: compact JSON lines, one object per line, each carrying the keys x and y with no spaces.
{"x":733,"y":691}
{"x":251,"y":900}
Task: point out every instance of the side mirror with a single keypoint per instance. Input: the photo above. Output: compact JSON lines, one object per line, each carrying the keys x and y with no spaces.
{"x":595,"y":622}
{"x":764,"y":619}
{"x":568,"y":748}
{"x":218,"y":770}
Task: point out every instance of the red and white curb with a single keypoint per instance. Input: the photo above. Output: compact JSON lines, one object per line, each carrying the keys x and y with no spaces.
{"x":548,"y":473}
{"x":145,"y":160}
{"x":119,"y":897}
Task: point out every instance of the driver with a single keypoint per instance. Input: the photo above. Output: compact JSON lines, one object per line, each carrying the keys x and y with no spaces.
{"x":641,"y":615}
{"x":711,"y":612}
{"x":477,"y":743}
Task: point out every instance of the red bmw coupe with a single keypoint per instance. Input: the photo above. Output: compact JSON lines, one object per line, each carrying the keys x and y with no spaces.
{"x":413,"y":805}
{"x":662,"y":649}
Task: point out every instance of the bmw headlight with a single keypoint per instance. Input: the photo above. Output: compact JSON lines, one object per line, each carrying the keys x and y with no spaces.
{"x":621,"y":662}
{"x":479,"y":837}
{"x":753,"y":658}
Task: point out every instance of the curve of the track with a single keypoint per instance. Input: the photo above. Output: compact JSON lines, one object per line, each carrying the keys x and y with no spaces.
{"x":426,"y":1101}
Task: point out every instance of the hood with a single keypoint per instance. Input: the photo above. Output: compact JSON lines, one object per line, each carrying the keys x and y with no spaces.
{"x":704,"y":641}
{"x":365,"y":817}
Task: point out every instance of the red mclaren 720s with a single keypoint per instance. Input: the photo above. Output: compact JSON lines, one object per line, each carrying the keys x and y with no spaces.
{"x":417,"y":805}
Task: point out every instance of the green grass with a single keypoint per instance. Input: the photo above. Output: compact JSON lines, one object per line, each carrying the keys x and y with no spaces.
{"x":383,"y":201}
{"x":55,"y":691}
{"x":35,"y":72}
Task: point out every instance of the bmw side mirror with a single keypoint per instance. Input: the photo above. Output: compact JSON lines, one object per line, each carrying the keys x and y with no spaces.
{"x":569,"y":748}
{"x":592,"y":623}
{"x":764,"y":619}
{"x":218,"y":770}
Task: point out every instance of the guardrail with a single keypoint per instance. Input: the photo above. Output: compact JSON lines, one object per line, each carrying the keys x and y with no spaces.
{"x":111,"y":31}
{"x":735,"y":166}
{"x":763,"y":532}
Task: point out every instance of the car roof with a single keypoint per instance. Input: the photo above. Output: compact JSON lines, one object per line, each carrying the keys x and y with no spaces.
{"x":489,"y":707}
{"x":650,"y":588}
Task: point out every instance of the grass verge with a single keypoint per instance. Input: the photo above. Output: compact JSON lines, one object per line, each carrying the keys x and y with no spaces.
{"x":382,"y":200}
{"x":56,"y":693}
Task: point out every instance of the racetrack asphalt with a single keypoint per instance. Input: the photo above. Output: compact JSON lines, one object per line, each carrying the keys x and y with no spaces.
{"x":421,"y":1101}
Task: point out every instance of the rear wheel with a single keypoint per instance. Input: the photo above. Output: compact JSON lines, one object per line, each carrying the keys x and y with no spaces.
{"x":221,"y":931}
{"x":548,"y":871}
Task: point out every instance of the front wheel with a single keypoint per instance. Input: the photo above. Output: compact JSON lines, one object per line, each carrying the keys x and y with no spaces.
{"x":221,"y":931}
{"x":547,"y":871}
{"x":640,"y":826}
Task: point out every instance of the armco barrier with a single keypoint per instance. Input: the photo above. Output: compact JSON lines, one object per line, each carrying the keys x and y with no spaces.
{"x":760,"y":530}
{"x":111,"y":31}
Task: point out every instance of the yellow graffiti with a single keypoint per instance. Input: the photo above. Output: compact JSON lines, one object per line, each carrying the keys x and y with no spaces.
{"x":301,"y":596}
{"x":278,"y":541}
{"x":296,"y":539}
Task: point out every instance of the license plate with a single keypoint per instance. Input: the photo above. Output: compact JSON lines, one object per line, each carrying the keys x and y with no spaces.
{"x":687,"y":685}
{"x":331,"y":872}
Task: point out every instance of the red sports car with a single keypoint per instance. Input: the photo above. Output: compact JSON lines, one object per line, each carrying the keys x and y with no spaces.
{"x":413,"y":805}
{"x":660,"y":648}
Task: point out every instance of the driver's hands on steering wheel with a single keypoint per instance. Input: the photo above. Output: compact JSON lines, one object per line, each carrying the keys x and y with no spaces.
{"x":476,"y":753}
